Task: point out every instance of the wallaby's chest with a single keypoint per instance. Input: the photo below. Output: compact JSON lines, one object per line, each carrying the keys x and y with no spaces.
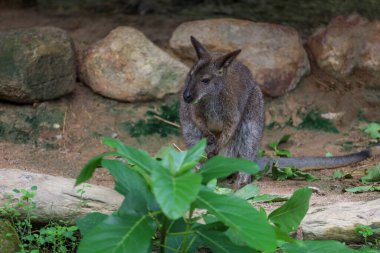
{"x":213,"y":113}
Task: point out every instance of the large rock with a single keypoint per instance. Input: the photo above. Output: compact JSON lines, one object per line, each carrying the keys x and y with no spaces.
{"x":57,"y":198}
{"x":338,"y":221}
{"x":274,"y":53}
{"x":127,"y":66}
{"x":345,"y":44}
{"x":9,"y":240}
{"x":36,"y":64}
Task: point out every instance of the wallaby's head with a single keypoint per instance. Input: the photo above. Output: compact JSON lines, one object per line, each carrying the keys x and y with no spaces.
{"x":207,"y":76}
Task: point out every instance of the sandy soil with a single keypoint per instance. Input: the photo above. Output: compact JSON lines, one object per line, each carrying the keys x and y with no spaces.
{"x":87,"y":116}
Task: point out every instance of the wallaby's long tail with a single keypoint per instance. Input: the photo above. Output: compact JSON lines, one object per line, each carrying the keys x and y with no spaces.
{"x":315,"y":162}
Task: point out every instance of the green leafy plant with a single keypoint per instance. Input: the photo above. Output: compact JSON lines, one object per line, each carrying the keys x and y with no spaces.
{"x":338,"y":174}
{"x":163,"y":122}
{"x":53,"y":238}
{"x":372,"y":175}
{"x":281,"y":152}
{"x":372,"y":129}
{"x":363,"y":188}
{"x":169,"y":206}
{"x":290,"y":173}
{"x":366,"y":232}
{"x":313,"y":121}
{"x":161,"y":195}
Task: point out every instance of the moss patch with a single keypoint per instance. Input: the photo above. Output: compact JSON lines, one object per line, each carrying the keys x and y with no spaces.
{"x":313,"y":121}
{"x":24,"y":126}
{"x":9,"y":240}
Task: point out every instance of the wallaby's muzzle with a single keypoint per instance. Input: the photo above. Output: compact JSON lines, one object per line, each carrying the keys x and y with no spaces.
{"x":187,"y":96}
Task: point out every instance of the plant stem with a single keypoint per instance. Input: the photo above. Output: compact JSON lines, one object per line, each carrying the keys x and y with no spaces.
{"x":186,"y":237}
{"x":163,"y":233}
{"x":182,"y":233}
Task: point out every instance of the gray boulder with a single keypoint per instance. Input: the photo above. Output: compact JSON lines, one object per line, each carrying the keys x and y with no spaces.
{"x":126,"y":66}
{"x":338,"y":221}
{"x":274,"y":53}
{"x":36,"y":64}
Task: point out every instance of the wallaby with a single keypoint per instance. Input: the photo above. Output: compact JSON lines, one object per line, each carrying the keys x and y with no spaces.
{"x":221,"y":102}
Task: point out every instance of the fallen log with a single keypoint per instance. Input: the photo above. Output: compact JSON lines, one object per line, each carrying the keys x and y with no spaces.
{"x":57,"y":198}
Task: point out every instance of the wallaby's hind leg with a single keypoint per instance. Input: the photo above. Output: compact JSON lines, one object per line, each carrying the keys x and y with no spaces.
{"x":244,"y":144}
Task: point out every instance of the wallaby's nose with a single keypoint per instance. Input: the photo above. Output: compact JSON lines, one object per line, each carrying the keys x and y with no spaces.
{"x":187,"y":97}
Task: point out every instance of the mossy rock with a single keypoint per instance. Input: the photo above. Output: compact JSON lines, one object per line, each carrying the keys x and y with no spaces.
{"x":37,"y":64}
{"x":9,"y":240}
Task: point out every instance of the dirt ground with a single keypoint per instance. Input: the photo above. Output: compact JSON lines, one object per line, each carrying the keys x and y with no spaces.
{"x":62,"y":142}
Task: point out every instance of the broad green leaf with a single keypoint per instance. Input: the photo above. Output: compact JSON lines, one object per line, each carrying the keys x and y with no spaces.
{"x":247,"y":192}
{"x":138,"y":198}
{"x":268,"y":198}
{"x":209,"y":218}
{"x":338,"y":174}
{"x":89,"y":221}
{"x":119,"y":235}
{"x":316,"y":247}
{"x":235,"y":237}
{"x":283,"y":153}
{"x":307,"y":176}
{"x":174,"y":194}
{"x":220,"y":167}
{"x":173,"y":159}
{"x":282,"y":173}
{"x":135,"y":156}
{"x":246,"y":221}
{"x":212,"y":184}
{"x":372,"y":129}
{"x":289,"y":216}
{"x":90,"y":167}
{"x":273,"y":145}
{"x":218,"y":242}
{"x":196,"y":152}
{"x":181,"y":161}
{"x":364,"y":188}
{"x":372,"y":175}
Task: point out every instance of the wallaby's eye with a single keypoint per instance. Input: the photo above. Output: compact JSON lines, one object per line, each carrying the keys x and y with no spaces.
{"x":205,"y":80}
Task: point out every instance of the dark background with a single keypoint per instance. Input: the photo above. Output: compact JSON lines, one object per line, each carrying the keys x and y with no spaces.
{"x":304,"y":15}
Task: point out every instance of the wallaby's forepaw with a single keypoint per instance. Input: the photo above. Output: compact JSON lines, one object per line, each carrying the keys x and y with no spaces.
{"x":242,"y":180}
{"x":211,"y":154}
{"x":211,"y":140}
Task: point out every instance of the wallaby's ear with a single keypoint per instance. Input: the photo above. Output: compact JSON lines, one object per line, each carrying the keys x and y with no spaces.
{"x":199,"y":49}
{"x":225,"y":60}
